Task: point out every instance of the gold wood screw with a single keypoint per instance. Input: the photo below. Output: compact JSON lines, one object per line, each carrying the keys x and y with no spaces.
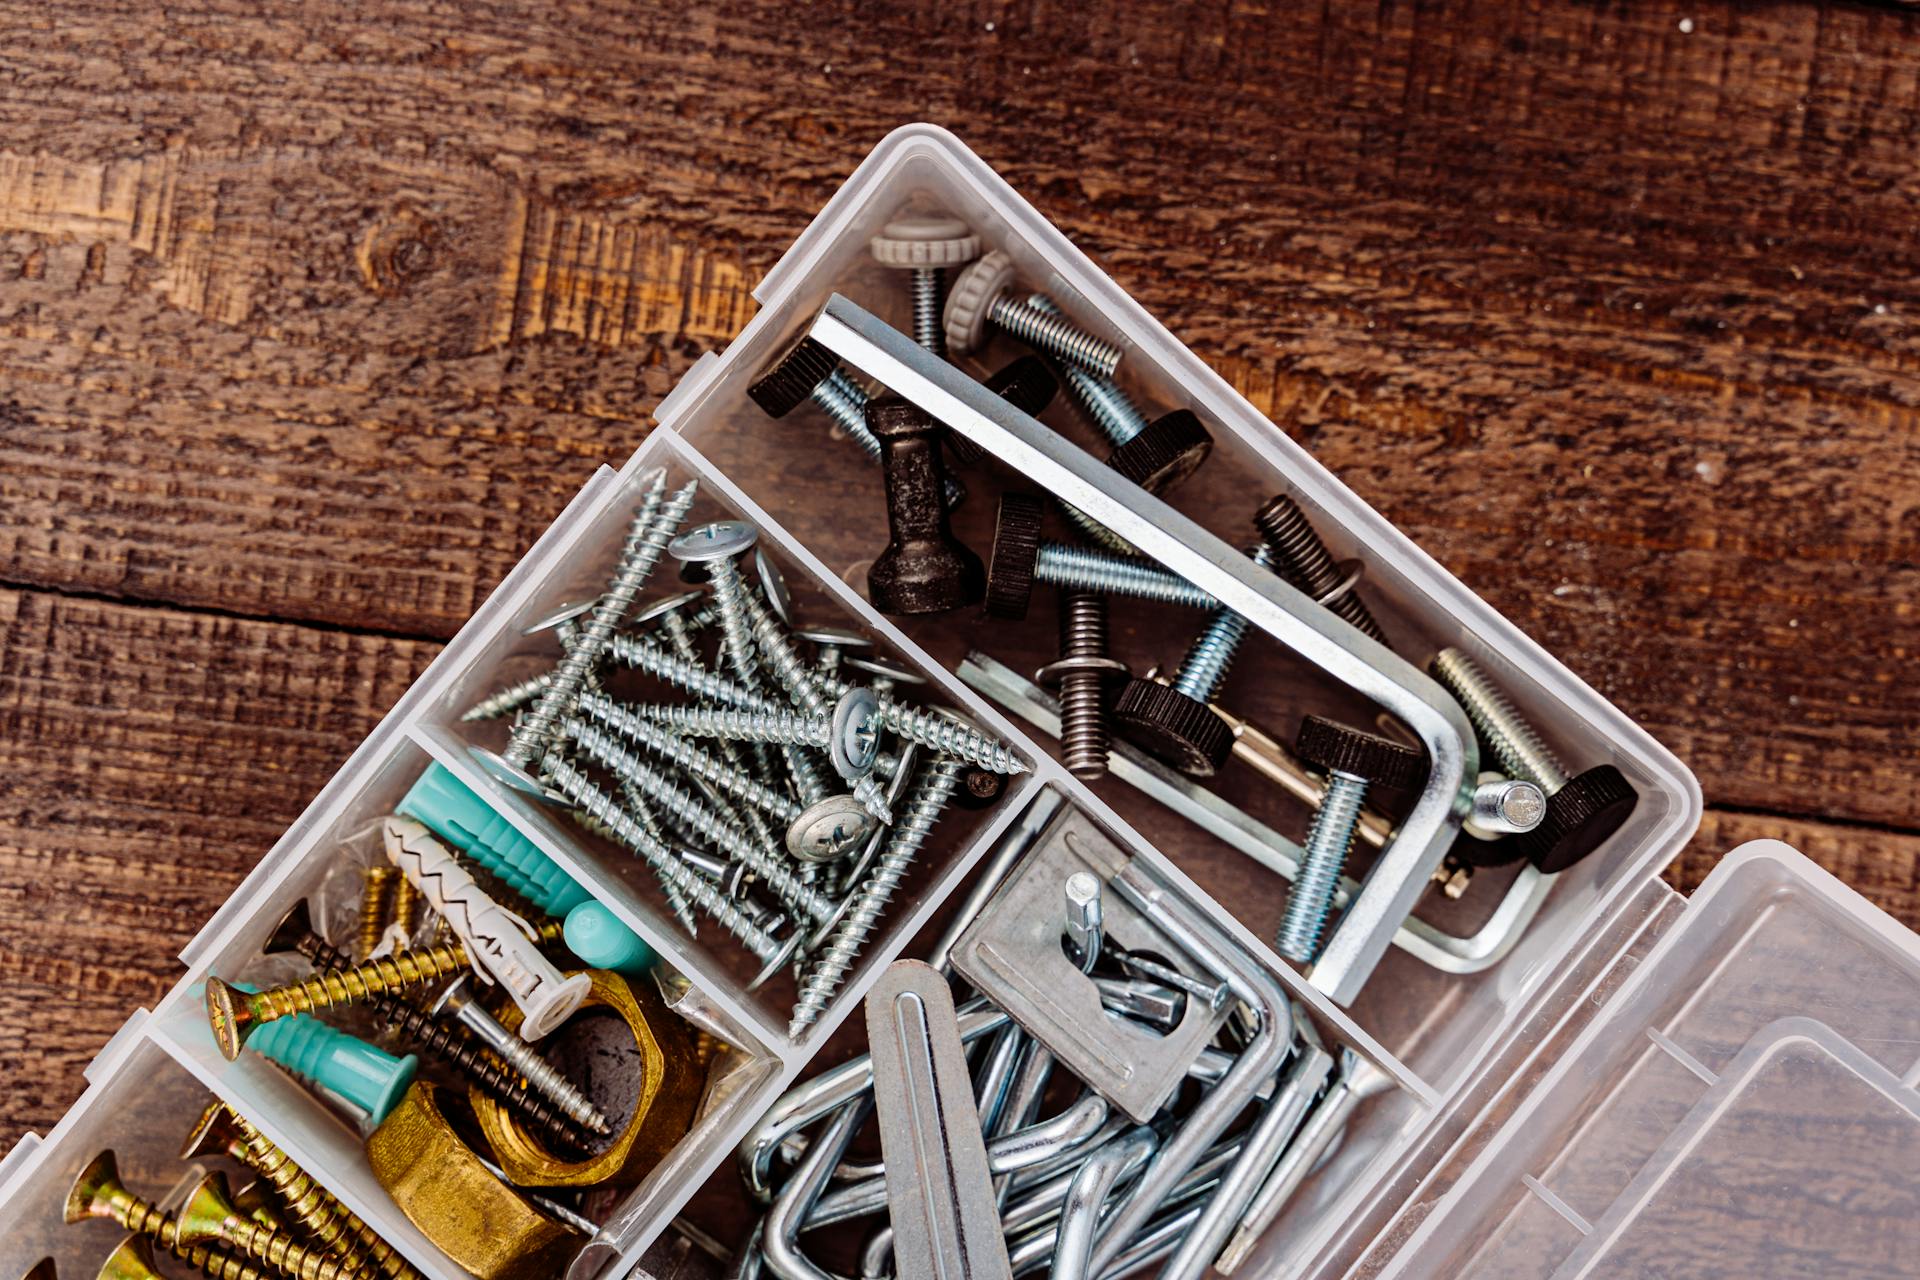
{"x":232,"y":1013}
{"x":98,"y":1193}
{"x":375,"y":884}
{"x":314,"y":1207}
{"x":209,"y":1215}
{"x":406,"y":908}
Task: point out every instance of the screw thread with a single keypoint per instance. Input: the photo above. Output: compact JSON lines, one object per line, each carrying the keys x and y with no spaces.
{"x":682,"y":754}
{"x":282,"y":1251}
{"x":736,"y":630}
{"x":846,"y":404}
{"x":1061,"y":565}
{"x":405,"y":912}
{"x":142,"y":1218}
{"x":1095,"y":532}
{"x":740,"y":724}
{"x":541,"y":1076}
{"x":938,"y":732}
{"x":1305,"y":561}
{"x":210,"y":1261}
{"x":457,"y":1047}
{"x":1323,"y":858}
{"x":1204,"y":669}
{"x":643,"y":813}
{"x":351,"y":986}
{"x":585,"y":795}
{"x":929,"y":304}
{"x":794,"y":675}
{"x":313,"y":1207}
{"x":689,"y":677}
{"x":672,"y":796}
{"x":510,"y":699}
{"x":376,"y":882}
{"x":653,"y":527}
{"x":1084,"y":739}
{"x":1107,"y":406}
{"x":1055,"y":336}
{"x":1517,"y":743}
{"x":926,"y":798}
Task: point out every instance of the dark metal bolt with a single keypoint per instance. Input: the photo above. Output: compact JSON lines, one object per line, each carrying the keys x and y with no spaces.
{"x":1304,"y":561}
{"x":924,"y":569}
{"x":1082,"y":675}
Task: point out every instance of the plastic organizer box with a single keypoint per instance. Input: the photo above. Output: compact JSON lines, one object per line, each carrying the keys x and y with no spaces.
{"x":1636,"y":1084}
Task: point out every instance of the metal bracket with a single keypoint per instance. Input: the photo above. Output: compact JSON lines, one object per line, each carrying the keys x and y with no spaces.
{"x":1012,"y":955}
{"x":1399,"y":876}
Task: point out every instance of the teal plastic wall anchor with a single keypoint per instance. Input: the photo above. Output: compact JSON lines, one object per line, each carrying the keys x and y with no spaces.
{"x":452,"y":811}
{"x":598,"y":937}
{"x":370,"y":1078}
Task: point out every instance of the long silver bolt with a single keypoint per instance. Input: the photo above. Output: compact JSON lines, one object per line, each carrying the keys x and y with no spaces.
{"x":652,"y":529}
{"x":581,"y":791}
{"x":1204,"y":669}
{"x":605,"y":750}
{"x":718,"y":548}
{"x":1108,"y":407}
{"x":939,"y":732}
{"x":541,"y":1075}
{"x":1353,"y":761}
{"x":925,"y":800}
{"x":1518,"y":745}
{"x":644,"y":814}
{"x":1021,"y":559}
{"x":981,"y":296}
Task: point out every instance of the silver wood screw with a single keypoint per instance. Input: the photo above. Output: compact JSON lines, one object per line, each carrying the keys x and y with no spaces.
{"x":541,"y":1075}
{"x":925,"y":800}
{"x":647,"y":537}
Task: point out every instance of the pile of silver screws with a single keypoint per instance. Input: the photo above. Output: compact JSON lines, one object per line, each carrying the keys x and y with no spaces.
{"x":783,"y":794}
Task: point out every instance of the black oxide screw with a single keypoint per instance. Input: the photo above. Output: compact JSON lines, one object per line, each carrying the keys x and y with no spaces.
{"x":296,"y":933}
{"x":1305,"y":562}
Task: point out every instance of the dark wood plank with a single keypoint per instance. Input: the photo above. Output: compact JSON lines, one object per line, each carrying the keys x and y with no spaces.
{"x":1611,"y":317}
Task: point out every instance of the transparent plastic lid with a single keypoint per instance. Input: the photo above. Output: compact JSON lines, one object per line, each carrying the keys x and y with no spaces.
{"x":1744,"y":1106}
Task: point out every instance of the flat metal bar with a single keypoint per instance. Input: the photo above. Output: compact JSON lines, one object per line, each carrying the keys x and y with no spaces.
{"x":946,"y":1219}
{"x":1399,"y":876}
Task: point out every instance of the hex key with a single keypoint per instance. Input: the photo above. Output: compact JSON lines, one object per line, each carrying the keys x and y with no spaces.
{"x":1399,"y":876}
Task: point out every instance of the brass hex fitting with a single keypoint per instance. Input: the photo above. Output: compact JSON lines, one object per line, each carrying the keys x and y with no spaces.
{"x":672,"y":1078}
{"x":443,"y":1187}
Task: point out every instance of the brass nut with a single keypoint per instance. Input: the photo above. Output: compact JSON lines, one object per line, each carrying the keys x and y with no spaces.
{"x":672,"y":1077}
{"x":441,"y":1185}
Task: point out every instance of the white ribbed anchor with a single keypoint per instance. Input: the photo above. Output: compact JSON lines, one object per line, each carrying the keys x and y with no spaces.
{"x":500,"y":945}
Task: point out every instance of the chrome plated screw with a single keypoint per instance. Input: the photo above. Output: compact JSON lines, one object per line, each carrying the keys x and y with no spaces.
{"x":1204,"y":669}
{"x":1108,"y":407}
{"x":604,"y":750}
{"x":921,"y":809}
{"x":687,"y":757}
{"x":581,"y":791}
{"x":652,"y":529}
{"x":505,"y":701}
{"x":689,"y":677}
{"x":981,"y":296}
{"x":541,"y":1075}
{"x":939,"y":732}
{"x":1084,"y":569}
{"x":1518,"y":744}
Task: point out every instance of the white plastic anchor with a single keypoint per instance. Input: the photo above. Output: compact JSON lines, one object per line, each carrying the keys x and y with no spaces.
{"x":500,"y":945}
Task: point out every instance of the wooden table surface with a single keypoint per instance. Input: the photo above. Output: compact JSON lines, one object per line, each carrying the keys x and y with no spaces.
{"x":304,"y":338}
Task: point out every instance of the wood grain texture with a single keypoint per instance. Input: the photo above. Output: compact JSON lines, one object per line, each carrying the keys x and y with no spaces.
{"x":309,"y":324}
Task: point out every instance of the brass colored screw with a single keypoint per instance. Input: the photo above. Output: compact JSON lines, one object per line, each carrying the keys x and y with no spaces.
{"x":328,"y":1222}
{"x":98,"y":1193}
{"x":376,"y":882}
{"x":232,"y":1013}
{"x":209,"y":1215}
{"x":406,"y":909}
{"x":424,"y":1031}
{"x":131,"y":1259}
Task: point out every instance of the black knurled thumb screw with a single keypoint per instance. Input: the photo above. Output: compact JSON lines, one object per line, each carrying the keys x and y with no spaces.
{"x":924,"y":569}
